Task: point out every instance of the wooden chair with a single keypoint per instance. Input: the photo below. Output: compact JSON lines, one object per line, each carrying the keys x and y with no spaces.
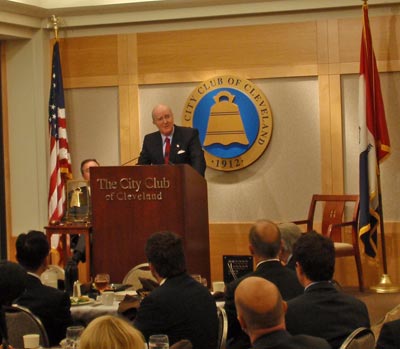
{"x":361,"y":338}
{"x":21,"y":321}
{"x":333,"y":222}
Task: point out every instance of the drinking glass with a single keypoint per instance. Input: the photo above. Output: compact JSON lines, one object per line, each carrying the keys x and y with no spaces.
{"x":101,"y":281}
{"x":73,"y":336}
{"x":158,"y":341}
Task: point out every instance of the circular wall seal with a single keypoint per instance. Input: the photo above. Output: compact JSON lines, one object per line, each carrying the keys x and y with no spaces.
{"x":234,"y":120}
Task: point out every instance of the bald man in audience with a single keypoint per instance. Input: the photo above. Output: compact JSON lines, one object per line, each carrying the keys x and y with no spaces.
{"x":322,"y":310}
{"x":261,"y":313}
{"x":265,"y":245}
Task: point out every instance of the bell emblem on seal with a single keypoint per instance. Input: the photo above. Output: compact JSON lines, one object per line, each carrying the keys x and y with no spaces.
{"x":225,"y":125}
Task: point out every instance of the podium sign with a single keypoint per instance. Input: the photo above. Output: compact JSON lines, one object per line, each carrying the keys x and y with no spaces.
{"x":132,"y":202}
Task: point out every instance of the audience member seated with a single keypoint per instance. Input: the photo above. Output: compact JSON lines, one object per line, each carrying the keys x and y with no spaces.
{"x":290,"y":232}
{"x":13,"y":281}
{"x":49,"y":304}
{"x":261,"y":313}
{"x":322,"y":310}
{"x":110,"y":332}
{"x":265,"y":245}
{"x":180,"y":307}
{"x":389,"y":337}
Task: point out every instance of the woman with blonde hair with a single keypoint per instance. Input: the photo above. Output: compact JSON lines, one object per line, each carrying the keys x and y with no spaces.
{"x":108,"y":331}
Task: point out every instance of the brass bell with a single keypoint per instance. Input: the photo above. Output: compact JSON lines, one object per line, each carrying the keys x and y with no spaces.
{"x":225,"y":125}
{"x":76,"y":198}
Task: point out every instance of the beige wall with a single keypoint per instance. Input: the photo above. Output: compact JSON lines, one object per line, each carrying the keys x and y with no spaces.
{"x":301,"y":66}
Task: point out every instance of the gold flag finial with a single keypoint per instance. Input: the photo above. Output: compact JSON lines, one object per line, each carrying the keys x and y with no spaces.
{"x":54,"y":21}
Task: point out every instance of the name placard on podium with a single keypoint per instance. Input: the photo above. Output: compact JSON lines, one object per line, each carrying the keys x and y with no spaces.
{"x":236,"y":266}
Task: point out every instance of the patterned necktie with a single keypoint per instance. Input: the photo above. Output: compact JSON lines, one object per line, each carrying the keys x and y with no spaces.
{"x":167,"y":150}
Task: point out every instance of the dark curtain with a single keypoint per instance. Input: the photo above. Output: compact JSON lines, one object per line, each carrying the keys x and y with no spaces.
{"x":3,"y":232}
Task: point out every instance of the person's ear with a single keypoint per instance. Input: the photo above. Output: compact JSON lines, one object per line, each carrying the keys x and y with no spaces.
{"x":242,"y":323}
{"x":284,"y":306}
{"x":251,"y":249}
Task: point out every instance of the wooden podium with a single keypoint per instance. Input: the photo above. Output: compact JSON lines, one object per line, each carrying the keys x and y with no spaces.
{"x":131,"y":203}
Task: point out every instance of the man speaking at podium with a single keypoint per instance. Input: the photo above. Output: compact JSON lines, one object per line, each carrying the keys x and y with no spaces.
{"x":172,"y":144}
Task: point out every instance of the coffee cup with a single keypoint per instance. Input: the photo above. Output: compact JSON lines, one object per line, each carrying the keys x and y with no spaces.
{"x":218,"y":286}
{"x":31,"y":341}
{"x":107,"y":298}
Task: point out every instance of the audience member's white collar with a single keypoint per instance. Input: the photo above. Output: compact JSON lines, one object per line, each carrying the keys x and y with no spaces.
{"x":35,"y":275}
{"x":314,"y":283}
{"x":162,"y":281}
{"x":268,"y":260}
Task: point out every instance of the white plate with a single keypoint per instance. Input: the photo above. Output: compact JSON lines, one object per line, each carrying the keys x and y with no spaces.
{"x":90,"y":301}
{"x":119,"y":296}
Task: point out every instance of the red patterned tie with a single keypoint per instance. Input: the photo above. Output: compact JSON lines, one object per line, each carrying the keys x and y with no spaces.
{"x":167,"y":150}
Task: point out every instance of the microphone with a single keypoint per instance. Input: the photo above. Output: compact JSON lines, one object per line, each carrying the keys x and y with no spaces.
{"x":131,"y":160}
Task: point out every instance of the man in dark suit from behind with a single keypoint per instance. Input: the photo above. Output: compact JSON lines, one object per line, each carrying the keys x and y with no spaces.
{"x":322,"y":310}
{"x":13,"y":280}
{"x":261,"y":313}
{"x":50,"y":305}
{"x":265,"y":245}
{"x":180,"y":307}
{"x":185,"y":146}
{"x":389,"y":337}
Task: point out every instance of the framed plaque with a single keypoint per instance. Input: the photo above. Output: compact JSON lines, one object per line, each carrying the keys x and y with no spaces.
{"x":235,"y":267}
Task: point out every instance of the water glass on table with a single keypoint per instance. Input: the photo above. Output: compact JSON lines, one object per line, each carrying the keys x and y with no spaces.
{"x":73,"y":336}
{"x":158,"y":341}
{"x":101,"y":281}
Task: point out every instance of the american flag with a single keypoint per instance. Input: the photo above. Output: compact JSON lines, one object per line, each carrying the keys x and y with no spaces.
{"x":374,"y":140}
{"x":60,"y":160}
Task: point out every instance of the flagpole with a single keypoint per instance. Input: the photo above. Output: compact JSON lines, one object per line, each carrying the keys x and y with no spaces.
{"x":385,"y":284}
{"x":54,"y":20}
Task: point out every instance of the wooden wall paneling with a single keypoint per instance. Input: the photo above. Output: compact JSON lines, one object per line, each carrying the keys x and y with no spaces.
{"x":6,"y":155}
{"x":89,"y":61}
{"x":385,"y":32}
{"x":227,"y":239}
{"x":128,"y":92}
{"x":325,"y":129}
{"x":129,"y":123}
{"x":336,"y":134}
{"x":288,"y":46}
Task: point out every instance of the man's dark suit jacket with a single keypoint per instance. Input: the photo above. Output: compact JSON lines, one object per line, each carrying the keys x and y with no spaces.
{"x":325,"y":312}
{"x":284,"y":340}
{"x":182,"y":308}
{"x":185,"y":149}
{"x":389,"y":337}
{"x":50,"y":305}
{"x":284,"y":278}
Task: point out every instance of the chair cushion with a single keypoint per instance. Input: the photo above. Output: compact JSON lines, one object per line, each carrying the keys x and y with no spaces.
{"x":343,"y":249}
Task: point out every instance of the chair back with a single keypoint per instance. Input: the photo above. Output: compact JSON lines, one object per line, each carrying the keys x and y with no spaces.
{"x":139,"y":271}
{"x":333,"y":214}
{"x":391,"y":315}
{"x":361,"y":338}
{"x":21,"y":321}
{"x":222,"y":327}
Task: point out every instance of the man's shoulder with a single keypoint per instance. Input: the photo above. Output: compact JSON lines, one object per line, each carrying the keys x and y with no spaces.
{"x":310,"y":342}
{"x":184,"y":130}
{"x":283,"y":339}
{"x":152,"y":135}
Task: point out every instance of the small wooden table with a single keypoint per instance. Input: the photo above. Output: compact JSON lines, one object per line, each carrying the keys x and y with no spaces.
{"x":73,"y":228}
